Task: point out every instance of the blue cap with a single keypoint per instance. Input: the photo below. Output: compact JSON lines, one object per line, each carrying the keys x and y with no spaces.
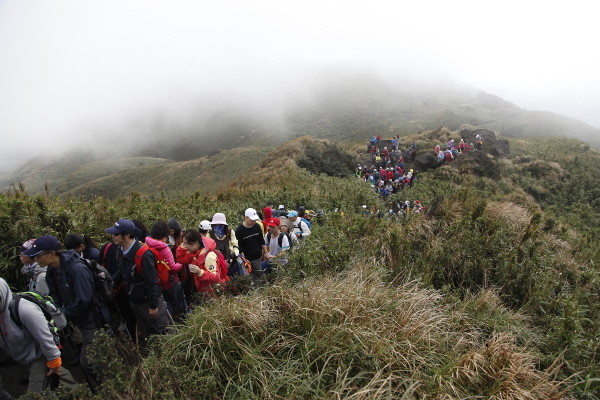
{"x":292,"y":214}
{"x":43,"y":243}
{"x":121,"y":226}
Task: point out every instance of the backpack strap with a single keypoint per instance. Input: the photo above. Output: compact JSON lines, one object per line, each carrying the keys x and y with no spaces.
{"x":138,"y":257}
{"x":106,"y":247}
{"x":13,"y":308}
{"x":280,"y":239}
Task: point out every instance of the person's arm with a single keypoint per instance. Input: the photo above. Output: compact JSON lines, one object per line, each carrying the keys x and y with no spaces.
{"x":209,"y":273}
{"x":305,"y":230}
{"x":170,"y":260}
{"x":35,"y":323}
{"x":233,"y":245}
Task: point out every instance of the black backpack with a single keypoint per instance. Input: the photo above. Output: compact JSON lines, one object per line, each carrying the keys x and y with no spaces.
{"x":280,"y":239}
{"x":103,"y":282}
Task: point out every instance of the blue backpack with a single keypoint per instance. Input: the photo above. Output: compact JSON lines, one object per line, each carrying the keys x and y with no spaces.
{"x":306,"y":221}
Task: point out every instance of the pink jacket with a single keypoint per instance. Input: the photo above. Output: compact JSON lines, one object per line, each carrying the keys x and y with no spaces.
{"x":164,"y":249}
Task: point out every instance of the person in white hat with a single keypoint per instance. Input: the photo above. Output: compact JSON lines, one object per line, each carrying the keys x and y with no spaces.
{"x":225,"y":238}
{"x":204,"y":227}
{"x":251,"y":242}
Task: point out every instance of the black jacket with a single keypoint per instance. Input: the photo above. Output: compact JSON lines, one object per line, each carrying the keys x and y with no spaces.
{"x":72,"y":286}
{"x":141,"y":287}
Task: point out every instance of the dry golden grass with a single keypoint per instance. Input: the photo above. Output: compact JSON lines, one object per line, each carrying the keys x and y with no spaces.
{"x":508,"y":372}
{"x":516,"y":217}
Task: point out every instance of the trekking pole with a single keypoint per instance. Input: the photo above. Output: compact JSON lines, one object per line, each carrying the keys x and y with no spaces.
{"x":51,"y":382}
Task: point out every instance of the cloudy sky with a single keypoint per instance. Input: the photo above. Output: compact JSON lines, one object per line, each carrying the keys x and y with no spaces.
{"x":72,"y":70}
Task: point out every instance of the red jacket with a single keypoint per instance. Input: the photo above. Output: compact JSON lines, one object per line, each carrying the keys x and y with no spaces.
{"x":211,"y":272}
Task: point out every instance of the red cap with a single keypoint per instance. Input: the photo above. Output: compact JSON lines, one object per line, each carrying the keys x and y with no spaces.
{"x":274,"y":222}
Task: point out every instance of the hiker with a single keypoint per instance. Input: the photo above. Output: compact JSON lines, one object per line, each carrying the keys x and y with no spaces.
{"x":440,"y":157}
{"x":448,"y":156}
{"x":277,"y":244}
{"x":198,"y":252}
{"x":175,"y":234}
{"x":140,"y":232}
{"x":280,"y":212}
{"x":479,"y":142}
{"x":172,"y":290}
{"x":32,"y":343}
{"x":251,"y":242}
{"x":122,"y":317}
{"x":142,"y":288}
{"x":83,"y":245}
{"x":285,"y":228}
{"x":204,"y":228}
{"x":71,"y":285}
{"x":30,"y":268}
{"x":395,"y":142}
{"x":301,"y":229}
{"x":225,"y":240}
{"x":373,"y":150}
{"x":267,"y":215}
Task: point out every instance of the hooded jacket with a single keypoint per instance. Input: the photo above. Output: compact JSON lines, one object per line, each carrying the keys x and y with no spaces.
{"x":167,"y":254}
{"x":268,"y":214}
{"x":206,"y":259}
{"x":72,"y":286}
{"x":37,"y":277}
{"x":34,"y":339}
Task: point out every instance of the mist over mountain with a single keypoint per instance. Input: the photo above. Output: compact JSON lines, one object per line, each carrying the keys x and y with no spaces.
{"x":341,"y":105}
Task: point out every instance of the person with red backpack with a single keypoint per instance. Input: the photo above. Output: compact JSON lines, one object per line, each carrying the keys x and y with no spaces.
{"x":204,"y":261}
{"x":141,"y":283}
{"x":171,"y":289}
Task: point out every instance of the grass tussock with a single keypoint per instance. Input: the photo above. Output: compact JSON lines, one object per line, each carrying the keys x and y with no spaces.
{"x":337,"y":337}
{"x":516,"y":217}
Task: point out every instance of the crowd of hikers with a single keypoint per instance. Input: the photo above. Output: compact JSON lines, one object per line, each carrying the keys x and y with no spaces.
{"x":136,"y":285}
{"x":389,"y":171}
{"x":142,"y":282}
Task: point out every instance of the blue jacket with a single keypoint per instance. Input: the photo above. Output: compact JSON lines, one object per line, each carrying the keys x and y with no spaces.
{"x":71,"y":286}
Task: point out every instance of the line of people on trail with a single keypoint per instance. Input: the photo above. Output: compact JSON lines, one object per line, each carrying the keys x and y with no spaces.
{"x":395,"y":210}
{"x":393,"y":155}
{"x":138,"y":283}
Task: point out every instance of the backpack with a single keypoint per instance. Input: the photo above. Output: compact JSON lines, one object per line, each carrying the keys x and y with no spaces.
{"x":55,"y":317}
{"x":103,"y":282}
{"x":306,"y":221}
{"x":280,"y":239}
{"x":163,"y":271}
{"x":222,"y":266}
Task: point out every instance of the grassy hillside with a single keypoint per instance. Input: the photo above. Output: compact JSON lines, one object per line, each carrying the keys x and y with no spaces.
{"x":493,"y":293}
{"x":71,"y":172}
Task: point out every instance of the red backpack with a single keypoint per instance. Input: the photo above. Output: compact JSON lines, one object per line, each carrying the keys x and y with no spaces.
{"x":163,"y":271}
{"x":222,"y":266}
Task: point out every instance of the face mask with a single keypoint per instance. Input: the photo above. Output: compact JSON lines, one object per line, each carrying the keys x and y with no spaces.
{"x":219,"y":230}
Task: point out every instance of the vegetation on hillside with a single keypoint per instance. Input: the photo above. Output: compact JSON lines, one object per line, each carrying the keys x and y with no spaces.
{"x":493,"y":293}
